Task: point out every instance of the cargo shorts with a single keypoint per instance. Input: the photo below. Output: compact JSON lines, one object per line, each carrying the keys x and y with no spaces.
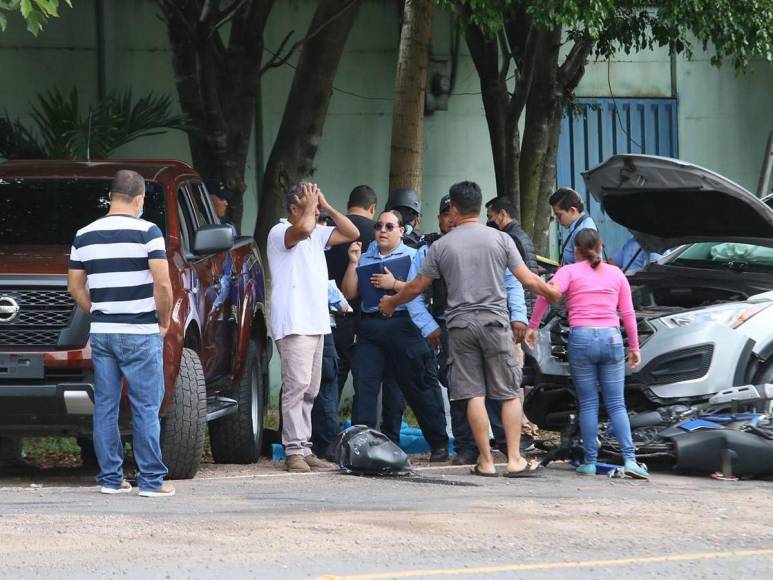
{"x":482,"y":361}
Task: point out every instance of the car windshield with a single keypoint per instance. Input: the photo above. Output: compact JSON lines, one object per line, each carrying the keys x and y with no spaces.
{"x":50,"y":211}
{"x":727,"y":255}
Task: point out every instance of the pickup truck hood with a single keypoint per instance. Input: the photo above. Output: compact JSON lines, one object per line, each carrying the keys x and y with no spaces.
{"x":34,"y":259}
{"x":666,"y":203}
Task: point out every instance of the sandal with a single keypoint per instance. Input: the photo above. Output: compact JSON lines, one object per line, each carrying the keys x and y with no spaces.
{"x":476,"y":471}
{"x":532,"y":469}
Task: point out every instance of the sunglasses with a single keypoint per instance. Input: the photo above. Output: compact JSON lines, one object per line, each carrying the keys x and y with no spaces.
{"x":378,"y":226}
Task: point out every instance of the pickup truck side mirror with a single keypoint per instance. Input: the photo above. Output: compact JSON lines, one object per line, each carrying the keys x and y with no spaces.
{"x":213,"y":238}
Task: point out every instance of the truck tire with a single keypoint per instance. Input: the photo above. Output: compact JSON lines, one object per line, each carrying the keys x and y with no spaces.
{"x":238,"y":437}
{"x":182,"y":429}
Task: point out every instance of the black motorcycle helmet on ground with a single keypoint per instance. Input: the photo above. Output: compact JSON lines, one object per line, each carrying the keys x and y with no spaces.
{"x":364,"y":451}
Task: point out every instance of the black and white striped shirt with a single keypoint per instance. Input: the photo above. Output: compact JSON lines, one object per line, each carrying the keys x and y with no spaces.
{"x":114,"y":251}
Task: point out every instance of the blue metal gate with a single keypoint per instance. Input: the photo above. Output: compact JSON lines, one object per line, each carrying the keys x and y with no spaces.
{"x":595,"y":129}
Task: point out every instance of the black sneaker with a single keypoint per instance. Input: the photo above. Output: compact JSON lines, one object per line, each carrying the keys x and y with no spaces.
{"x":439,"y":455}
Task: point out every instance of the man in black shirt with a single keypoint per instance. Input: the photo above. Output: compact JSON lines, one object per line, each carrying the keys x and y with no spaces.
{"x":360,"y":210}
{"x":501,"y":215}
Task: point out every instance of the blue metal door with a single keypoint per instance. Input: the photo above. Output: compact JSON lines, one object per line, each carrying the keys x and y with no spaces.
{"x":595,"y":129}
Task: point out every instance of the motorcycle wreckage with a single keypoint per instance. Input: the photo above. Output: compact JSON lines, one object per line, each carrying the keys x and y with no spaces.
{"x":731,"y":434}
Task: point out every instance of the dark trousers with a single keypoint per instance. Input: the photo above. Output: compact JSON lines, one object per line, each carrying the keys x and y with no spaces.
{"x":394,"y":347}
{"x":460,"y":425}
{"x":325,"y":425}
{"x":343,"y":335}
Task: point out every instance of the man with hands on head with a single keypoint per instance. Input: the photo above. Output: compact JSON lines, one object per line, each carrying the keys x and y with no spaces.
{"x":471,"y":258}
{"x":299,"y":310}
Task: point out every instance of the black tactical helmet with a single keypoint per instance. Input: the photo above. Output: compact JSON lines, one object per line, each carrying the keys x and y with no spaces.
{"x":404,"y":197}
{"x":445,"y":203}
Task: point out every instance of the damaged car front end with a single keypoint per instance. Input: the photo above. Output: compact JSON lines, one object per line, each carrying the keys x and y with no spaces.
{"x":703,"y":311}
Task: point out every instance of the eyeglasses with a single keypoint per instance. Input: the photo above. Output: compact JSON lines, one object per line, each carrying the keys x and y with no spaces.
{"x":378,"y":226}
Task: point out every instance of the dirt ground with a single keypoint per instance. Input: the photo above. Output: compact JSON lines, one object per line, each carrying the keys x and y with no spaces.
{"x":258,"y":521}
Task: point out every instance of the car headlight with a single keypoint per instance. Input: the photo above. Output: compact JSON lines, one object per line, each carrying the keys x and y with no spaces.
{"x":731,"y":315}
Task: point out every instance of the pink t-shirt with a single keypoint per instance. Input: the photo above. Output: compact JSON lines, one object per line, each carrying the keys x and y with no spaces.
{"x":596,"y":297}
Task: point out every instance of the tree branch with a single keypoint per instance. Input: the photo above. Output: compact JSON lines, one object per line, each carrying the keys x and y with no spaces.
{"x":276,"y":61}
{"x":575,"y":62}
{"x":507,"y":56}
{"x":525,"y":74}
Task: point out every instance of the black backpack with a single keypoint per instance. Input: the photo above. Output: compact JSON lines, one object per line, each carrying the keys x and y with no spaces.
{"x":365,"y":451}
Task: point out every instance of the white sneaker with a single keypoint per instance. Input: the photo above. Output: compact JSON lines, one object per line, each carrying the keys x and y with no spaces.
{"x":126,"y":487}
{"x":166,"y":490}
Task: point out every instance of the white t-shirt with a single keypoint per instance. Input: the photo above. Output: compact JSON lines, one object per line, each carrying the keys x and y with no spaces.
{"x":298,"y":282}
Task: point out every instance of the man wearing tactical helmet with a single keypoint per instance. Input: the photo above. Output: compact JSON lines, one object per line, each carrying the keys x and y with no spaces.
{"x":406,"y":201}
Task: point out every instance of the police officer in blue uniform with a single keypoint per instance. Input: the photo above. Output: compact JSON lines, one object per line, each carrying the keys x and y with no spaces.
{"x":392,"y":346}
{"x":570,"y":213}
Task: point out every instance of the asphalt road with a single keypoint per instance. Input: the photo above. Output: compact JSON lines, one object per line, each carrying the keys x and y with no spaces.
{"x":257,"y":521}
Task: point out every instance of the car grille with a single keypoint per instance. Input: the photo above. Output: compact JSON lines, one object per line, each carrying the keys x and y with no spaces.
{"x":43,"y":314}
{"x":559,"y":336}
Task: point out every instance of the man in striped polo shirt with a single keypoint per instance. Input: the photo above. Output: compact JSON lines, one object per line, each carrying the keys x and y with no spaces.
{"x":119,"y":273}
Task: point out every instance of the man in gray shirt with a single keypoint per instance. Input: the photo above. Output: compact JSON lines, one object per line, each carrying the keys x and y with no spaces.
{"x":482,"y":361}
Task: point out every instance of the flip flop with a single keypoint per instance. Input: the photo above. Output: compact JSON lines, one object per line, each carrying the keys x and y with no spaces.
{"x":476,"y":471}
{"x":532,"y":469}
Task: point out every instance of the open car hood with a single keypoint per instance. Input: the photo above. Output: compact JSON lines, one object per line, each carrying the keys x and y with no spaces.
{"x":665,"y":203}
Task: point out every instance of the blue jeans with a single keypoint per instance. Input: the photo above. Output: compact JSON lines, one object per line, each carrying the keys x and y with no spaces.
{"x":596,"y":357}
{"x":139,"y":358}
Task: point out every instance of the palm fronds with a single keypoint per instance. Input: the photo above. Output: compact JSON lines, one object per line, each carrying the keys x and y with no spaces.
{"x":63,"y":130}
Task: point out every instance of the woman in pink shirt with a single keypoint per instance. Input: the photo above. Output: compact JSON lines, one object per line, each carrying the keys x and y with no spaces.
{"x":597,"y":295}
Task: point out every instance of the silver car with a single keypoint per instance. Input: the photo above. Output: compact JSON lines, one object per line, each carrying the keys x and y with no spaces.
{"x":704,"y":311}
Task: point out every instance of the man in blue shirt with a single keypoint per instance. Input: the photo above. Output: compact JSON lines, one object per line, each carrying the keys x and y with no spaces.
{"x":570,"y":213}
{"x":631,"y":258}
{"x":432,"y":327}
{"x":392,"y":346}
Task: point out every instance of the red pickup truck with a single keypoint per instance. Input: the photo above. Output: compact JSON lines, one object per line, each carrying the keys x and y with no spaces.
{"x":216,"y":352}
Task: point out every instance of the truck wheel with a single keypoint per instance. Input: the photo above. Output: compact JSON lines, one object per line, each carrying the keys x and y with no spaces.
{"x":238,"y":437}
{"x":182,"y":429}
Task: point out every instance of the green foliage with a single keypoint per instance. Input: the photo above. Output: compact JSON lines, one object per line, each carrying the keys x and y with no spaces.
{"x":35,"y":12}
{"x":733,"y":30}
{"x":62,"y":131}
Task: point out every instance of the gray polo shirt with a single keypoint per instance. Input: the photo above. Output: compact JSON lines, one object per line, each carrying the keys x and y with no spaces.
{"x":471,"y":259}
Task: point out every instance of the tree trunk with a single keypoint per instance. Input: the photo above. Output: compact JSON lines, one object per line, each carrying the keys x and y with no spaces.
{"x":292,"y":156}
{"x":405,"y":167}
{"x":541,"y":234}
{"x":217,"y":85}
{"x":544,"y":97}
{"x":504,"y":138}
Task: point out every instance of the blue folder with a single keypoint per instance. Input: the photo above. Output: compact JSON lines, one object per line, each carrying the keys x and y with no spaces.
{"x":370,"y":294}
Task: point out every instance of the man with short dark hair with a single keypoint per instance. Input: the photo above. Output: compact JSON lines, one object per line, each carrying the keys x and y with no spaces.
{"x":471,"y":258}
{"x":299,"y":311}
{"x":428,"y":314}
{"x":129,"y":295}
{"x":360,"y":210}
{"x":500,"y":213}
{"x":570,"y":213}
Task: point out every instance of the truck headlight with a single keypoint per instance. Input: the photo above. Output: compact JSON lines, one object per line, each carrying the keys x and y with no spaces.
{"x":732,"y":315}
